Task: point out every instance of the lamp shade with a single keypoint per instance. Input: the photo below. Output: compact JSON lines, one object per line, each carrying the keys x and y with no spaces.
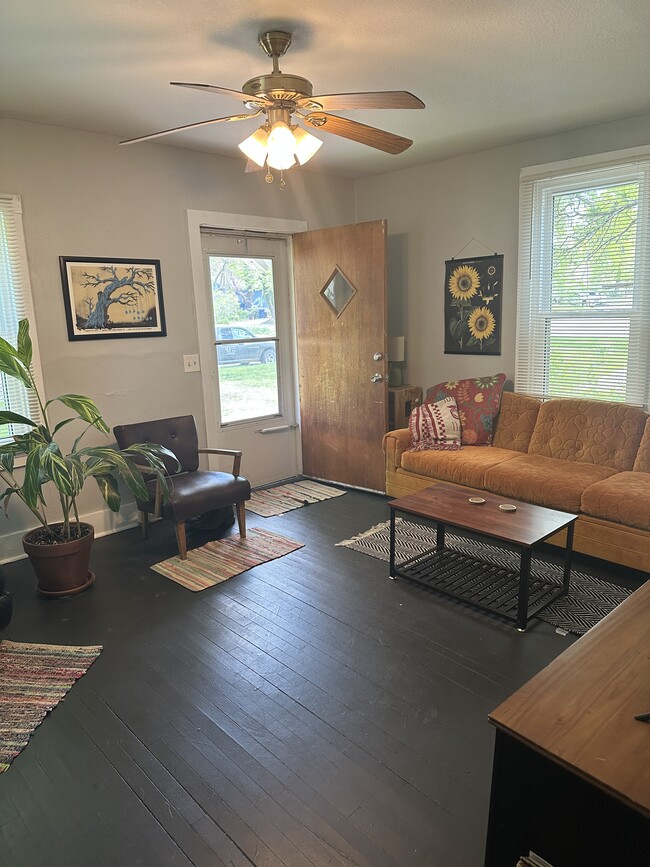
{"x":306,"y":145}
{"x":396,"y":348}
{"x":255,"y":146}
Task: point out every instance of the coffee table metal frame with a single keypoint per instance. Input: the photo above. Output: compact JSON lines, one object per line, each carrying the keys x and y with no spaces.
{"x":484,"y":585}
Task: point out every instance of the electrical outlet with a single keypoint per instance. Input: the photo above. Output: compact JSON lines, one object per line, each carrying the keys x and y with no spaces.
{"x":191,"y":363}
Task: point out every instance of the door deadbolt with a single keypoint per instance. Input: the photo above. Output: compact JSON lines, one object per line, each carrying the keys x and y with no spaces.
{"x":377,"y":356}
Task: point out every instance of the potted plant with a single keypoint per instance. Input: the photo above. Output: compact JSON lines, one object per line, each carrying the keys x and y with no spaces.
{"x":60,"y":550}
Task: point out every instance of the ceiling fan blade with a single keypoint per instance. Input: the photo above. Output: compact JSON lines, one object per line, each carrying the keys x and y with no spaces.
{"x":368,"y":135}
{"x":378,"y":99}
{"x":229,"y":119}
{"x":213,"y":88}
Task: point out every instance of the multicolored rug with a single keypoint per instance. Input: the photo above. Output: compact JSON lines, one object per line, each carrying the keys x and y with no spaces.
{"x":268,"y":502}
{"x":33,"y":680}
{"x":589,"y":599}
{"x":217,"y":561}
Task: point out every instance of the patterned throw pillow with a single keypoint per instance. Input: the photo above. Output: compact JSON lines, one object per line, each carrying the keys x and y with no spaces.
{"x":478,"y":403}
{"x":435,"y":426}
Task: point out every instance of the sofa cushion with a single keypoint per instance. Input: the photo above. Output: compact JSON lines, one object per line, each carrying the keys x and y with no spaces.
{"x":516,"y":421}
{"x":624,"y":498}
{"x":545,"y":481}
{"x":642,"y":461}
{"x":465,"y":467}
{"x":589,"y":431}
{"x":435,"y":426}
{"x":478,"y":404}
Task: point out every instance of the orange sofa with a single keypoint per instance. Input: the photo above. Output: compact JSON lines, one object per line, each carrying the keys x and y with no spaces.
{"x":589,"y":457}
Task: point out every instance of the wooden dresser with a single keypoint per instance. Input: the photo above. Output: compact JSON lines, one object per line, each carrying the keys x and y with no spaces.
{"x":571,"y":775}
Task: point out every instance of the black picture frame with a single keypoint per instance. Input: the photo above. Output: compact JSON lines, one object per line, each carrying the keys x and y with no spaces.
{"x":108,"y":298}
{"x":472,"y":309}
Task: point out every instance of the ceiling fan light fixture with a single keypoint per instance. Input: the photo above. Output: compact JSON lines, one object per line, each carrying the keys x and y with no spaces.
{"x":281,"y":147}
{"x":306,"y":145}
{"x":255,"y":147}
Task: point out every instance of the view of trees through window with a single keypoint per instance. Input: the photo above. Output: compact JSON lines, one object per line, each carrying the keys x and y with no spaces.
{"x":243,"y":300}
{"x":590,"y":300}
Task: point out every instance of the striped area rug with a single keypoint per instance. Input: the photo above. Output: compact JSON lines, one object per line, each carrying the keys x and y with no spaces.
{"x":217,"y":561}
{"x":268,"y":502}
{"x":589,"y":599}
{"x":33,"y":680}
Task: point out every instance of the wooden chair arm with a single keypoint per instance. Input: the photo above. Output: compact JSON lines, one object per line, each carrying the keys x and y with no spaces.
{"x":234,"y":453}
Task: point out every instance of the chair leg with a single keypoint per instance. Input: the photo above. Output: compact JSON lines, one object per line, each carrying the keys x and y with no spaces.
{"x":241,"y":519}
{"x":181,"y":539}
{"x":144,"y":524}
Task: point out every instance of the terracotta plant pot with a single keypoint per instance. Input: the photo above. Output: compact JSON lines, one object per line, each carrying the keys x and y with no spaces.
{"x":61,"y":569}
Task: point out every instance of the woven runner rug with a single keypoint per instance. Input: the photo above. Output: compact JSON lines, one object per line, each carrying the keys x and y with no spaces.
{"x":33,"y":679}
{"x":268,"y":502}
{"x":589,"y":599}
{"x":217,"y":561}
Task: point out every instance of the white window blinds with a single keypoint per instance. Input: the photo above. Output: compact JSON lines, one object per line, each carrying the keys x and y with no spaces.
{"x":15,"y":304}
{"x":583,"y":315}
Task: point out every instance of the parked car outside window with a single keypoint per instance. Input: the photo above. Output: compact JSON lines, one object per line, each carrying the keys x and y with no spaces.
{"x":262,"y":351}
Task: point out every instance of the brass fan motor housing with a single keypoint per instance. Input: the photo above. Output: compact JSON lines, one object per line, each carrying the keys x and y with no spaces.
{"x":278,"y":85}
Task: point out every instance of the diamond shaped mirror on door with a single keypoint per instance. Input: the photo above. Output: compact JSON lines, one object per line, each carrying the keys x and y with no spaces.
{"x":338,"y":291}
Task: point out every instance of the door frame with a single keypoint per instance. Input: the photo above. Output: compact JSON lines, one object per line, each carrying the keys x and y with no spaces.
{"x":196,"y":220}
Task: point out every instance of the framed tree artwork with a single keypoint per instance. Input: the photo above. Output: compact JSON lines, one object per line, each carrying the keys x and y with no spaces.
{"x":473,"y":293}
{"x":108,"y":298}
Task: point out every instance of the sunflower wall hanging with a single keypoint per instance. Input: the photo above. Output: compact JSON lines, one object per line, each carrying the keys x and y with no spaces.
{"x":473,"y":291}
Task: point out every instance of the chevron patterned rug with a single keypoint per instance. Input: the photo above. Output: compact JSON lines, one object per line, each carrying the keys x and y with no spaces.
{"x":589,"y":599}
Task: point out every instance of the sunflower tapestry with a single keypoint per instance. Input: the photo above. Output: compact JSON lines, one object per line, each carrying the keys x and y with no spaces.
{"x":473,"y":289}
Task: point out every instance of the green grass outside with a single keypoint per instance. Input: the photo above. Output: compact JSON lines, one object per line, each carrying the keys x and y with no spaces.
{"x":248,"y":391}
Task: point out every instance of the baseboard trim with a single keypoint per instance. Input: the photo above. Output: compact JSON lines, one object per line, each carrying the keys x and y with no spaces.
{"x":105,"y":523}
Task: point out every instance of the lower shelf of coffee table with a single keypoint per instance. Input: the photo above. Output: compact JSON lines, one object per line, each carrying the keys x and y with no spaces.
{"x":477,"y":582}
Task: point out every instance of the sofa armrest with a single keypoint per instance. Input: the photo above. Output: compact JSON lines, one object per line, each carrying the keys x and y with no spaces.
{"x":395,"y":443}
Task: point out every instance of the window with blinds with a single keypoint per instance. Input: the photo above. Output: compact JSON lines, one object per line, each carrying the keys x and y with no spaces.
{"x":15,"y":304}
{"x":583,"y":323}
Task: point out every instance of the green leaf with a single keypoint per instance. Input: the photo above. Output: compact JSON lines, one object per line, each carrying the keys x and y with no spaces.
{"x":8,"y":417}
{"x":24,"y":343}
{"x":154,"y":453}
{"x":86,"y":410}
{"x":32,"y":483}
{"x":110,"y":491}
{"x":59,"y":472}
{"x":8,"y":454}
{"x":121,"y":464}
{"x":10,"y":365}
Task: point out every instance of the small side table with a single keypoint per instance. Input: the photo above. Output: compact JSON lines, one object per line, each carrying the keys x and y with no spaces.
{"x":401,"y":401}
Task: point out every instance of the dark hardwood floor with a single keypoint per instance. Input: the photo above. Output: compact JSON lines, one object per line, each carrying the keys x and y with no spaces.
{"x":307,"y":712}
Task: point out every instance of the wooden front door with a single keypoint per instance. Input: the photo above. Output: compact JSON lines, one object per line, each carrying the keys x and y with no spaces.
{"x":341,"y":313}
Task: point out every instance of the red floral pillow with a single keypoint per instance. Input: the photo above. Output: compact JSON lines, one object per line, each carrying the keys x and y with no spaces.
{"x":478,"y":404}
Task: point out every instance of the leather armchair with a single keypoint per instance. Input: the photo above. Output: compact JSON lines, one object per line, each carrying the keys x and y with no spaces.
{"x":193,"y":491}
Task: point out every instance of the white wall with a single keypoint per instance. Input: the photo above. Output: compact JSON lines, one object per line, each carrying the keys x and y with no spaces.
{"x":435,"y":210}
{"x":83,"y":195}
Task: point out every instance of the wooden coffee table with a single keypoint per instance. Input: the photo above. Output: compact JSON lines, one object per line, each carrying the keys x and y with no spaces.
{"x":508,"y":593}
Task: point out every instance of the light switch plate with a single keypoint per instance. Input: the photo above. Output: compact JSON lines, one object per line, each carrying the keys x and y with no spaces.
{"x":191,"y":363}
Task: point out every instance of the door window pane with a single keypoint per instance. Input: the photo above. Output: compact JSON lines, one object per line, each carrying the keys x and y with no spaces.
{"x":243,"y":300}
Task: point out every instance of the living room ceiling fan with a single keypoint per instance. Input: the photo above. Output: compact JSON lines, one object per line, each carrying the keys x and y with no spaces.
{"x":279,"y":143}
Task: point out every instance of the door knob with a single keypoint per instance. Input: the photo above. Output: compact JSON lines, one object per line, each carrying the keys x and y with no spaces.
{"x":376,"y":377}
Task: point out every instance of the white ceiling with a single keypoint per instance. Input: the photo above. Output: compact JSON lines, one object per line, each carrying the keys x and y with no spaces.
{"x":489,"y":71}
